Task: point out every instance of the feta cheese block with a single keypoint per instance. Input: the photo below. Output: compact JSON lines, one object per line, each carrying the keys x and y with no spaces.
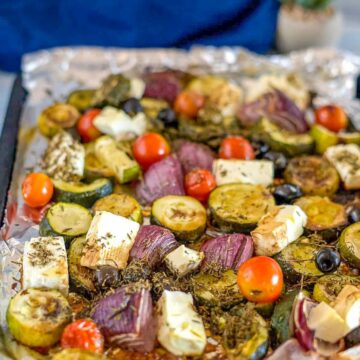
{"x":137,"y":88}
{"x":64,"y":159}
{"x":346,"y":160}
{"x":181,"y":330}
{"x":255,"y":172}
{"x":109,"y":241}
{"x":45,"y":264}
{"x":278,"y":228}
{"x":183,"y":260}
{"x":118,"y":124}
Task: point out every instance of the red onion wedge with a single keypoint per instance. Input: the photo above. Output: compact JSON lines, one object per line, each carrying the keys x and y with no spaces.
{"x":162,"y":178}
{"x":292,"y":350}
{"x":126,"y":319}
{"x":227,"y":251}
{"x":152,"y":244}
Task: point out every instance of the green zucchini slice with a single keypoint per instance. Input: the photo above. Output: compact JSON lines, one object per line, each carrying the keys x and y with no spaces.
{"x":216,"y":289}
{"x":239,"y":207}
{"x":37,"y":317}
{"x":349,"y":137}
{"x":80,"y":193}
{"x":93,"y":168}
{"x":183,"y":215}
{"x":281,"y":140}
{"x":67,"y":220}
{"x":349,"y":244}
{"x":328,"y":287}
{"x":324,"y":216}
{"x":77,"y":354}
{"x":323,"y":138}
{"x":297,"y":260}
{"x":81,"y":99}
{"x":313,"y":174}
{"x":120,"y":204}
{"x":81,"y":277}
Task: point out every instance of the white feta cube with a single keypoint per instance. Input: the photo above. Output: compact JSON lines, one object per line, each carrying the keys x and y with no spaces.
{"x":137,"y":88}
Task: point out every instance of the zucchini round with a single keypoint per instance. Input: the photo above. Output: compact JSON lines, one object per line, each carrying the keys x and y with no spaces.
{"x":81,"y":277}
{"x":183,"y":215}
{"x":80,"y":193}
{"x":323,"y":138}
{"x":94,"y":169}
{"x":349,"y":244}
{"x":239,"y":207}
{"x":297,"y":260}
{"x":328,"y":287}
{"x":67,"y":220}
{"x":37,"y":317}
{"x":313,"y":174}
{"x":349,"y":137}
{"x":77,"y":354}
{"x":120,"y":204}
{"x":81,"y":99}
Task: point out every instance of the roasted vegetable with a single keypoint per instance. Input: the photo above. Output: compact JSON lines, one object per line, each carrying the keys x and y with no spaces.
{"x":125,"y":317}
{"x":353,"y":338}
{"x":349,"y":244}
{"x":77,"y":354}
{"x":313,"y":174}
{"x":183,"y":215}
{"x":67,"y":220}
{"x":227,"y":251}
{"x":120,"y":204}
{"x":153,"y":106}
{"x":80,"y":193}
{"x":81,"y":99}
{"x":37,"y":317}
{"x":238,"y":207}
{"x":80,"y":306}
{"x":323,"y":138}
{"x":94,"y":168}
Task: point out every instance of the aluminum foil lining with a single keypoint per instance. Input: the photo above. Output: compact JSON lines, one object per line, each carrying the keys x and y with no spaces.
{"x":49,"y":75}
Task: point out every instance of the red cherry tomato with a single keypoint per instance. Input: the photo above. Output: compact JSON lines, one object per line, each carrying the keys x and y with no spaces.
{"x":236,"y":147}
{"x":199,"y":183}
{"x":85,"y":126}
{"x":188,"y":103}
{"x":260,"y":279}
{"x":37,"y":190}
{"x":150,"y":148}
{"x":83,"y":334}
{"x":332,"y":117}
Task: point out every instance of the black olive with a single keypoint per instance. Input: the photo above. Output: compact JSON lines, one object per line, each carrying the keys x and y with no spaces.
{"x":327,"y":260}
{"x":106,"y":277}
{"x":168,"y":117}
{"x":354,"y":214}
{"x":260,"y":148}
{"x":286,"y":193}
{"x":132,"y":106}
{"x":279,"y":159}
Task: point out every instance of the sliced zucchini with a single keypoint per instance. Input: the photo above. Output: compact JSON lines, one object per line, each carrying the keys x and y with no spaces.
{"x":239,"y":207}
{"x":67,"y":220}
{"x":120,"y":204}
{"x":216,"y":289}
{"x":297,"y":260}
{"x":323,"y":138}
{"x":313,"y":174}
{"x":183,"y":215}
{"x":349,"y":138}
{"x":281,"y":140}
{"x":80,"y":193}
{"x":349,"y":244}
{"x":117,"y":160}
{"x":328,"y":287}
{"x":81,"y":277}
{"x":153,"y":106}
{"x":80,"y":306}
{"x":324,"y":216}
{"x":246,"y":334}
{"x":265,"y":310}
{"x":37,"y":317}
{"x":81,"y":99}
{"x":77,"y":354}
{"x":94,"y":169}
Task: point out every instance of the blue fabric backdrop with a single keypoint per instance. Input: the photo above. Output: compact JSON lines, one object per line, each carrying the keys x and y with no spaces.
{"x":28,"y":25}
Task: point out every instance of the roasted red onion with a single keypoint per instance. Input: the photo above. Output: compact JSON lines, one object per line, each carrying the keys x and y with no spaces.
{"x":194,"y":156}
{"x":227,"y":251}
{"x":278,"y":108}
{"x":292,"y":350}
{"x":162,"y":178}
{"x":126,"y":319}
{"x":152,"y":244}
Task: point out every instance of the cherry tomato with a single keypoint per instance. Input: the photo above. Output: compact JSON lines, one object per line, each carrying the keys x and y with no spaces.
{"x":199,"y":183}
{"x":332,"y":117}
{"x":37,"y":190}
{"x":236,"y":147}
{"x":85,"y":126}
{"x":150,"y":148}
{"x":188,"y":103}
{"x":83,"y":334}
{"x":260,"y":279}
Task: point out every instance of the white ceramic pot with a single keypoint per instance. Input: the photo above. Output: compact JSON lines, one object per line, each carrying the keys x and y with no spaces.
{"x":299,"y":32}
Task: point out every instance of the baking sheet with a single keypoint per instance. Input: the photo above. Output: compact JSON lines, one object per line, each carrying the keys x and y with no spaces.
{"x":49,"y":76}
